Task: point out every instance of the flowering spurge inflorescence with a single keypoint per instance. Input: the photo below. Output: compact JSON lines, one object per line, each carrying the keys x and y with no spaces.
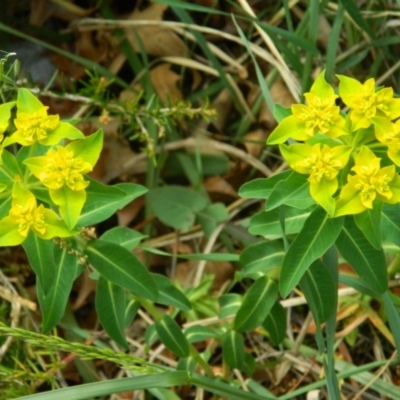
{"x":44,"y":164}
{"x":350,"y":159}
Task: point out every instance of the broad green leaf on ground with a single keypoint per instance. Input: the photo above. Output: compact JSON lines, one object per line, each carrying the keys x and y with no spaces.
{"x":64,"y":272}
{"x":110,"y":305}
{"x":176,"y":206}
{"x":292,"y":191}
{"x":229,"y":303}
{"x":211,"y":216}
{"x":125,"y":237}
{"x":170,"y":295}
{"x":267,"y":223}
{"x":41,"y":258}
{"x":366,"y":260}
{"x":122,"y":268}
{"x":316,"y":237}
{"x":103,"y":201}
{"x":172,"y":337}
{"x":390,"y":223}
{"x":275,"y":323}
{"x":256,"y":304}
{"x":261,"y":258}
{"x":233,"y":351}
{"x":320,"y":291}
{"x":261,"y":188}
{"x":369,"y":222}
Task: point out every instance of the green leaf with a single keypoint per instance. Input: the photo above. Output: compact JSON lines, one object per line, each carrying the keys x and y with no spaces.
{"x":176,"y":206}
{"x":263,"y":257}
{"x":256,"y":304}
{"x":356,"y":283}
{"x":320,"y":291}
{"x":88,"y":148}
{"x":70,"y":204}
{"x":110,"y":306}
{"x":122,"y":268}
{"x":199,"y":333}
{"x":229,"y":304}
{"x":172,"y":337}
{"x":64,"y":272}
{"x":169,"y":294}
{"x":316,"y":237}
{"x":392,"y":317}
{"x":102,"y":201}
{"x":211,"y":216}
{"x":268,"y":224}
{"x":369,"y":222}
{"x":367,"y":261}
{"x":125,"y":237}
{"x":187,"y":364}
{"x":275,"y":323}
{"x":391,"y":223}
{"x":233,"y":350}
{"x":261,"y":188}
{"x":293,"y":191}
{"x":41,"y":258}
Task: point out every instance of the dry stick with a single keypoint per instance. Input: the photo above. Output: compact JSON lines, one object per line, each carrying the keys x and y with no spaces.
{"x":376,"y":377}
{"x":88,"y":24}
{"x":129,"y":165}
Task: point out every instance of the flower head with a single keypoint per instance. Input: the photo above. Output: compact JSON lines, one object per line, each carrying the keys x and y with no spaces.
{"x":322,"y":164}
{"x":319,"y":115}
{"x":34,"y":125}
{"x":367,"y":102}
{"x":370,"y":183}
{"x":62,"y":171}
{"x":388,"y":133}
{"x":26,"y":216}
{"x":60,"y":168}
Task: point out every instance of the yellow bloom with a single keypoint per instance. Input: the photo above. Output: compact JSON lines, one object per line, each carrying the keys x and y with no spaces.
{"x":319,"y":115}
{"x":34,"y":127}
{"x":59,"y":167}
{"x":29,"y":217}
{"x":25,"y":217}
{"x":322,"y":164}
{"x":369,"y":184}
{"x":366,"y":102}
{"x":388,"y":133}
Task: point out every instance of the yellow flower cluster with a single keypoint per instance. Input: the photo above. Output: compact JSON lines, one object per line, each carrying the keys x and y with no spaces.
{"x":336,"y":143}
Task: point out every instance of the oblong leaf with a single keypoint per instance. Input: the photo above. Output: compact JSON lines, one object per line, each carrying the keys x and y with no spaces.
{"x":53,"y":303}
{"x":369,"y":222}
{"x":261,"y":188}
{"x":169,"y":294}
{"x":367,"y":261}
{"x":172,"y":337}
{"x":110,"y":303}
{"x":268,"y":224}
{"x":121,"y":267}
{"x":293,"y":191}
{"x":262,"y":257}
{"x":275,"y":323}
{"x":320,"y":291}
{"x":125,"y":237}
{"x":316,"y":237}
{"x":233,"y":350}
{"x":256,"y":304}
{"x":102,"y":201}
{"x":391,"y":223}
{"x":198,"y":333}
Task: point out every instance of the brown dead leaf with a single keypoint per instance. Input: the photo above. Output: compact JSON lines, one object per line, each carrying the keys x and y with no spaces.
{"x":222,"y":105}
{"x":165,"y":82}
{"x":223,"y":271}
{"x":220,"y":189}
{"x":157,"y":41}
{"x":254,"y":142}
